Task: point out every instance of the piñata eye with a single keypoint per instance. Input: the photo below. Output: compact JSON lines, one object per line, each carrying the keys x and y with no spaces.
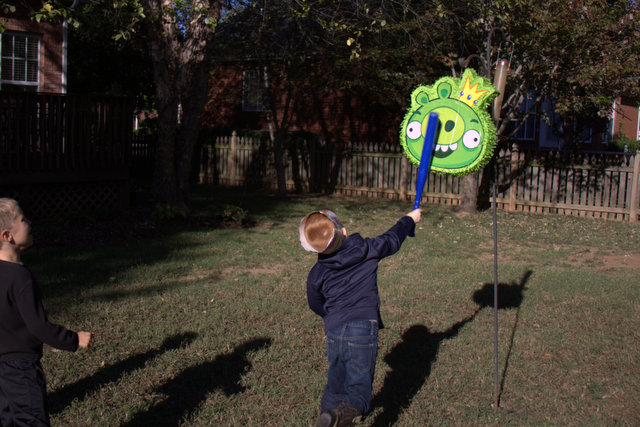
{"x":471,"y":138}
{"x":414,"y":130}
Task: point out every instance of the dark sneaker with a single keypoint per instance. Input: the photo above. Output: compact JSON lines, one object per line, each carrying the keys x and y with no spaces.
{"x":328,"y":418}
{"x":348,"y":414}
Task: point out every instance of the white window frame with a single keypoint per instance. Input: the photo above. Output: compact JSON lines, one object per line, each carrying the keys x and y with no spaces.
{"x":638,"y":124}
{"x":30,"y":65}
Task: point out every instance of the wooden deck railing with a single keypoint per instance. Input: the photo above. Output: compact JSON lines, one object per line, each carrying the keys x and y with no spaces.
{"x":62,"y":133}
{"x":64,"y":154}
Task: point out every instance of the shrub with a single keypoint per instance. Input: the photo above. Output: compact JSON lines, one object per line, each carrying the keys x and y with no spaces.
{"x":167,"y":212}
{"x":230,"y":213}
{"x":622,"y":140}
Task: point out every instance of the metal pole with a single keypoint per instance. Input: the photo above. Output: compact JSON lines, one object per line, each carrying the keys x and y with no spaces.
{"x":495,"y":294}
{"x":633,"y":203}
{"x":499,"y":81}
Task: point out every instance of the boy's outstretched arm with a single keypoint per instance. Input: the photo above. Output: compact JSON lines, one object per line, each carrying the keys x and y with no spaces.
{"x":389,"y":243}
{"x":85,"y":339}
{"x":415,"y":214}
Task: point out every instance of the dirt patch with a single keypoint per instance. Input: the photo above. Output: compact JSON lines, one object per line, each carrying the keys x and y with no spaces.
{"x":594,"y":257}
{"x":229,"y":272}
{"x":504,"y":254}
{"x":622,"y":261}
{"x":197,"y":274}
{"x":577,"y":256}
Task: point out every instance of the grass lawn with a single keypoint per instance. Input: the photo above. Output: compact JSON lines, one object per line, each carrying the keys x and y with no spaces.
{"x":200,"y":325}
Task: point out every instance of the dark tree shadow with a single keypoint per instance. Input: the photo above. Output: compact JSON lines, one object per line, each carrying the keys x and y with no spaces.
{"x":62,"y":397}
{"x":190,"y":388}
{"x":509,"y":296}
{"x":410,"y":363}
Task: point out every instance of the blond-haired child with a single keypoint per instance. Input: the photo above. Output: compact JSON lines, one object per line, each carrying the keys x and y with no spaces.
{"x":24,"y":327}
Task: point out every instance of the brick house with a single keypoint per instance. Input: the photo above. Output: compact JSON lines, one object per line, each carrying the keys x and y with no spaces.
{"x":235,"y":102}
{"x":60,"y":154}
{"x":33,"y":54}
{"x":343,"y":116}
{"x":626,"y":119}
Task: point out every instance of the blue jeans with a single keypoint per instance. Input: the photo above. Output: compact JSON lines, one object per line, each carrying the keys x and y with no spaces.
{"x":351,"y":350}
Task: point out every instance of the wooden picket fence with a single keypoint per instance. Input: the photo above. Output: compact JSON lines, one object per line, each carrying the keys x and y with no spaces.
{"x":599,"y":185}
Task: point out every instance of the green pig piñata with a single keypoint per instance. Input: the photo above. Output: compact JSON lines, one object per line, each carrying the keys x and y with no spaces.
{"x":467,"y":135}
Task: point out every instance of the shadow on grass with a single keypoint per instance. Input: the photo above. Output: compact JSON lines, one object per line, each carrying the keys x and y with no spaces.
{"x":62,"y":272}
{"x":67,"y":257}
{"x":509,"y":296}
{"x":411,"y":359}
{"x":410,"y":363}
{"x":150,"y":290}
{"x":190,"y":388}
{"x":60,"y":398}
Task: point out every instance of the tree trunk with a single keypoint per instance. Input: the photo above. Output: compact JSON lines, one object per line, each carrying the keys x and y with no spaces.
{"x":165,"y":184}
{"x":469,"y":201}
{"x":279,"y":158}
{"x":193,"y":107}
{"x":165,"y":187}
{"x":277,"y":133}
{"x":276,"y":138}
{"x":181,"y":64}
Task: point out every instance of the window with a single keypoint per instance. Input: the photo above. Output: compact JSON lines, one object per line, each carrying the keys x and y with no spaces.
{"x":528,"y":130}
{"x":253,"y":91}
{"x":591,"y":129}
{"x":20,"y":61}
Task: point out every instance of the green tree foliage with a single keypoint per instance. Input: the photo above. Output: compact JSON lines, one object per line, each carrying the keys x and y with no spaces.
{"x":580,"y":54}
{"x":589,"y":51}
{"x":108,"y":53}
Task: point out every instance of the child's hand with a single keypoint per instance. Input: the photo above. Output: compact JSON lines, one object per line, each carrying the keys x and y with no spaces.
{"x":415,"y":214}
{"x":85,"y":339}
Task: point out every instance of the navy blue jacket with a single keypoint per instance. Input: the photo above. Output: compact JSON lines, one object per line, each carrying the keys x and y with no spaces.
{"x":342,"y":287}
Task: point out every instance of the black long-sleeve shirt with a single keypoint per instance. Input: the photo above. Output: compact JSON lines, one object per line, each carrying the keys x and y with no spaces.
{"x":24,"y":325}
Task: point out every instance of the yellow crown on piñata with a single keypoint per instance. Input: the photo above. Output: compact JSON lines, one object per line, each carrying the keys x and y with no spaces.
{"x":470,"y":94}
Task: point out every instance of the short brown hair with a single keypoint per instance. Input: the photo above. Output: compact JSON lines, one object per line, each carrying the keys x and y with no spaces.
{"x":9,"y":212}
{"x":318,"y":230}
